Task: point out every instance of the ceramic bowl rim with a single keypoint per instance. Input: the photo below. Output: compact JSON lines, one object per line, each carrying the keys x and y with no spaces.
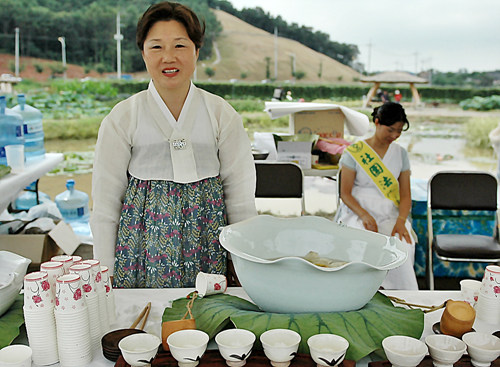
{"x":465,"y":337}
{"x":391,"y":242}
{"x":328,"y":335}
{"x":139,"y":336}
{"x":449,"y":337}
{"x":404,"y":337}
{"x":235,"y":330}
{"x":280,"y":330}
{"x":203,"y":334}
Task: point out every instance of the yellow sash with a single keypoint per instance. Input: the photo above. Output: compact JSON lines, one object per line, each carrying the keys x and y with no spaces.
{"x":376,"y":170}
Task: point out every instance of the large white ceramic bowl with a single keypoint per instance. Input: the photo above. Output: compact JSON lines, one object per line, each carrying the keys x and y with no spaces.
{"x":268,"y":252}
{"x":13,"y":268}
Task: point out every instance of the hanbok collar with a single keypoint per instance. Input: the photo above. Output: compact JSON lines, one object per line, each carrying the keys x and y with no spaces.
{"x":176,"y":124}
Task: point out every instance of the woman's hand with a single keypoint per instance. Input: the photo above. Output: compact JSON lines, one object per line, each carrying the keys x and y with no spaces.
{"x":401,"y":230}
{"x":369,"y":222}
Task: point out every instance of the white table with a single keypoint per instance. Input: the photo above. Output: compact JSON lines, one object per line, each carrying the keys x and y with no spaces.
{"x":130,"y":302}
{"x":12,"y":184}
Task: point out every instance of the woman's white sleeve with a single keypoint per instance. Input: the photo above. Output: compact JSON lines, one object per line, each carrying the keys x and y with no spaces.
{"x":237,"y":168}
{"x":109,"y":183}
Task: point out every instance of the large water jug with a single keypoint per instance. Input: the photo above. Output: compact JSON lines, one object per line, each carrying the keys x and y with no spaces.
{"x":28,"y":198}
{"x":32,"y":128}
{"x":11,"y":129}
{"x":73,"y":204}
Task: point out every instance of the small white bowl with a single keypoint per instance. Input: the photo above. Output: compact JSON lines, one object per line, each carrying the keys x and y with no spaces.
{"x":280,"y":346}
{"x":327,"y":349}
{"x":445,"y":350}
{"x":188,"y":346}
{"x":16,"y":355}
{"x":404,"y":351}
{"x":139,"y":349}
{"x":235,"y":346}
{"x":482,"y":348}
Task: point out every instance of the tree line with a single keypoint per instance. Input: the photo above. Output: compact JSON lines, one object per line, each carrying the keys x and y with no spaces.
{"x":89,"y":26}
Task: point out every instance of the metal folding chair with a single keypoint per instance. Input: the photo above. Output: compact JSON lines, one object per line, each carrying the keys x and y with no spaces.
{"x":280,"y":180}
{"x":461,"y":190}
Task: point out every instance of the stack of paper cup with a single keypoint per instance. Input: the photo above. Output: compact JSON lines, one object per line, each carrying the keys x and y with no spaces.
{"x":39,"y":319}
{"x":91,"y":299}
{"x":469,"y":288}
{"x":110,"y":296}
{"x":67,"y":261}
{"x":72,"y":320}
{"x":488,"y":303}
{"x":54,"y":269}
{"x":101,"y":293}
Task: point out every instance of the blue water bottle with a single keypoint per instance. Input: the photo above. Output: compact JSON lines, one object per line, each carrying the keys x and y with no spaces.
{"x":11,"y":129}
{"x":32,"y":129}
{"x":74,"y":207}
{"x":73,"y":204}
{"x":28,"y":198}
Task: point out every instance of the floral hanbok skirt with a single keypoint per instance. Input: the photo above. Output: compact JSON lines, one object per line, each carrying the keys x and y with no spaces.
{"x":169,"y":232}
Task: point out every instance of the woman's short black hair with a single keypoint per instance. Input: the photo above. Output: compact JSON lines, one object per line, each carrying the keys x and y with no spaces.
{"x":166,"y":11}
{"x":389,"y":113}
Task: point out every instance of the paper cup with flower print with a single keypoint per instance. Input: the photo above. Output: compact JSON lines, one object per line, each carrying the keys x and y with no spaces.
{"x":67,"y":261}
{"x":490,"y":285}
{"x":87,"y":280}
{"x":54,"y":269}
{"x":207,"y":284}
{"x":37,"y":291}
{"x":96,"y":273}
{"x":69,"y":294}
{"x":105,"y":278}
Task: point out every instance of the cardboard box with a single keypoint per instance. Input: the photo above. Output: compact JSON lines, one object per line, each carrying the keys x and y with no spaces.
{"x":41,"y":247}
{"x":295,"y":151}
{"x":325,"y":123}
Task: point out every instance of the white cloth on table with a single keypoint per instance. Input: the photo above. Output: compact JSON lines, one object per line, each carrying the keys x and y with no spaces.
{"x":385,"y":213}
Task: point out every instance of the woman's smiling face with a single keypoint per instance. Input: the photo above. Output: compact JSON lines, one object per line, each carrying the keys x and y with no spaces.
{"x":170,"y":56}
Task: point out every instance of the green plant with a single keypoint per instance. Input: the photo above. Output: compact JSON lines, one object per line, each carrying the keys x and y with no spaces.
{"x":299,"y":74}
{"x":481,"y":103}
{"x":39,"y":68}
{"x":243,"y":75}
{"x":209,"y":72}
{"x":477,"y":129}
{"x":56,"y":68}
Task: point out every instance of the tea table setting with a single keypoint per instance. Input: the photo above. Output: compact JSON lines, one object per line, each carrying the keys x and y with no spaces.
{"x":129,"y":303}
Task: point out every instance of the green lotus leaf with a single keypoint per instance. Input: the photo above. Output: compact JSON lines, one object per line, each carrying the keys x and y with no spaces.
{"x":364,"y":329}
{"x":11,"y":321}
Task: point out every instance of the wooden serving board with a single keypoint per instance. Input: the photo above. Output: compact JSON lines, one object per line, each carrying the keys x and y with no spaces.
{"x":213,"y":358}
{"x":427,"y":362}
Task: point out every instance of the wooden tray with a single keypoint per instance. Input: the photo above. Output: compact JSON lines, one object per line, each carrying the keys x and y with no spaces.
{"x":427,"y":362}
{"x":213,"y":358}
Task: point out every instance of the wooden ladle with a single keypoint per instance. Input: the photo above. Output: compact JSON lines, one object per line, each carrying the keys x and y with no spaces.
{"x":109,"y":342}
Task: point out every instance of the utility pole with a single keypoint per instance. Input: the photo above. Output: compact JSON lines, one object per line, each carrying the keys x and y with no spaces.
{"x":416,"y":62}
{"x":63,"y":47}
{"x":369,"y":56}
{"x":16,"y":50}
{"x":118,"y":37}
{"x":275,"y":53}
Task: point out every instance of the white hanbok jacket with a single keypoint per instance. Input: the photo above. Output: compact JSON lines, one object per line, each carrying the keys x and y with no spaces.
{"x":137,"y":139}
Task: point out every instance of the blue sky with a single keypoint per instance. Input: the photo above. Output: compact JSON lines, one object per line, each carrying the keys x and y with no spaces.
{"x":412,"y":35}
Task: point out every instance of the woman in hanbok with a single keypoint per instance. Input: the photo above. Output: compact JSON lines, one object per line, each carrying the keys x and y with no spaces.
{"x":375,"y":188}
{"x":173,"y":164}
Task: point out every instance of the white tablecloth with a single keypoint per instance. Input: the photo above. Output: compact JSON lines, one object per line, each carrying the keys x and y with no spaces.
{"x":130,"y":302}
{"x":12,"y":184}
